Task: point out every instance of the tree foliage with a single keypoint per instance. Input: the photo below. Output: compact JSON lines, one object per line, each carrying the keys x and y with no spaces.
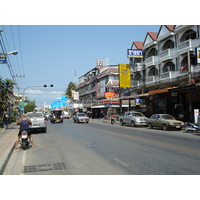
{"x":6,"y":94}
{"x":29,"y":106}
{"x":68,"y":91}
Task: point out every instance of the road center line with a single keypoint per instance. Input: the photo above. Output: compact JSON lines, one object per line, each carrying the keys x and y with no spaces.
{"x":154,"y":142}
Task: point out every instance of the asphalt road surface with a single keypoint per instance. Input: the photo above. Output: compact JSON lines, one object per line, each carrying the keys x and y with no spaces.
{"x":99,"y":148}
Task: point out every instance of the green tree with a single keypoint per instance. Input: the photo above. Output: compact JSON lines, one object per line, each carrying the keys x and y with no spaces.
{"x":68,"y":91}
{"x":6,"y":94}
{"x":29,"y":106}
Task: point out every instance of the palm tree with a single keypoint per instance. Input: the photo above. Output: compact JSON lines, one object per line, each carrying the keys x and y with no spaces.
{"x":6,"y":94}
{"x":68,"y":91}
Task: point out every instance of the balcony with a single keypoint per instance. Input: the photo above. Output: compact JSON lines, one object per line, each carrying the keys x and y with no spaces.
{"x":137,"y":67}
{"x":188,"y":45}
{"x":137,"y":83}
{"x":152,"y":80}
{"x":151,"y":61}
{"x":168,"y":54}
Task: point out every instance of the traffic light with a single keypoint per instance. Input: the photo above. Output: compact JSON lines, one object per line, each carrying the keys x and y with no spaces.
{"x":45,"y":85}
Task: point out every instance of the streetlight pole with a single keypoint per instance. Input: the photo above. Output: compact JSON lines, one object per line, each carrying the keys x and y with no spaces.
{"x":23,"y":96}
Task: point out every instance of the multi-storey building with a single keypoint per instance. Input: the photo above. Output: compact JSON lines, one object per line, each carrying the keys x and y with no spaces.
{"x":168,"y":73}
{"x":165,"y":80}
{"x":92,"y":88}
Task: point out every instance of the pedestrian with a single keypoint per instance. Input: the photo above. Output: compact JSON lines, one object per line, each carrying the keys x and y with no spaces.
{"x":112,"y":119}
{"x":5,"y":120}
{"x":24,"y":123}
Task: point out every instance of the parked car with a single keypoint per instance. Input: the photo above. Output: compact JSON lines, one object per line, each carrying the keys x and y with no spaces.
{"x":164,"y":121}
{"x":133,"y":118}
{"x":38,"y":121}
{"x":80,"y":117}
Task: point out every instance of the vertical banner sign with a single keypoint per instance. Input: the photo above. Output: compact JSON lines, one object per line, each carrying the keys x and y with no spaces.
{"x":196,"y":114}
{"x":198,"y":55}
{"x":124,"y":75}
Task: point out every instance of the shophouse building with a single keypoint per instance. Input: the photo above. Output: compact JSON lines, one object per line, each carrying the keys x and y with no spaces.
{"x":99,"y":91}
{"x":167,"y":78}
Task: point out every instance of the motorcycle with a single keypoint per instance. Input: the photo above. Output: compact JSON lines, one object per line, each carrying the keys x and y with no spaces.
{"x":191,"y":128}
{"x":24,"y":140}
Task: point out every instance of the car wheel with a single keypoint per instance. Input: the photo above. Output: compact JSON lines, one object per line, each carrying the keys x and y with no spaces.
{"x":133,"y":124}
{"x":165,"y":127}
{"x":150,"y":125}
{"x":121,"y":122}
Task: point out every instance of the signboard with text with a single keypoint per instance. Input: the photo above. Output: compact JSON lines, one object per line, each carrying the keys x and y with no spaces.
{"x":3,"y":59}
{"x":135,"y":53}
{"x":109,"y":94}
{"x":198,"y":55}
{"x":124,"y":75}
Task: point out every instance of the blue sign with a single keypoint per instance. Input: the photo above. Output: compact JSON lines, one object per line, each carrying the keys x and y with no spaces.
{"x":135,"y":53}
{"x":137,"y":101}
{"x":3,"y":59}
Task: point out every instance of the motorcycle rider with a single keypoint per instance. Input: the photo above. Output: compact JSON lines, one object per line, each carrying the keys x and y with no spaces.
{"x":24,"y":123}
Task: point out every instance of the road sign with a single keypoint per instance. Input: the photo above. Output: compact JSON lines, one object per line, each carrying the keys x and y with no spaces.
{"x":3,"y":59}
{"x":21,"y":105}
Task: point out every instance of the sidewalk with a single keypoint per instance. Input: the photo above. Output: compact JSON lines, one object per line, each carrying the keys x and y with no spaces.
{"x":7,"y":141}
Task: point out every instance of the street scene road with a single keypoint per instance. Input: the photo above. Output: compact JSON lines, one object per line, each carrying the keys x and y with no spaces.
{"x":99,"y":148}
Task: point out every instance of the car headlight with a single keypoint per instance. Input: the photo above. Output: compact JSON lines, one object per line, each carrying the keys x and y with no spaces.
{"x":171,"y":123}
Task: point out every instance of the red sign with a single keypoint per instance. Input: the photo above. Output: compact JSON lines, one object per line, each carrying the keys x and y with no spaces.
{"x":109,"y":94}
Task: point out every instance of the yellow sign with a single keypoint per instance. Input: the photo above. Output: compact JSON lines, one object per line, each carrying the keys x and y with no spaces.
{"x":124,"y":75}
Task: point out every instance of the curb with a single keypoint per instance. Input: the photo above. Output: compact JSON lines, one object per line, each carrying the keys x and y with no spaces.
{"x":7,"y":146}
{"x":6,"y":156}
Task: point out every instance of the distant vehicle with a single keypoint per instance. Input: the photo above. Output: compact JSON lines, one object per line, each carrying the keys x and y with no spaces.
{"x":80,"y":117}
{"x":133,"y":118}
{"x":66,"y":115}
{"x":38,"y":121}
{"x":165,"y":122}
{"x":56,"y":116}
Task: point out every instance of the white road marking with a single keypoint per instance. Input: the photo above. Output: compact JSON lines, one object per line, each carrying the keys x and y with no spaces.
{"x":121,"y":162}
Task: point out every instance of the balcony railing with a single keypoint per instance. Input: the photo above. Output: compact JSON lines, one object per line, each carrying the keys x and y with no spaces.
{"x":168,"y":54}
{"x":137,"y":67}
{"x":188,"y":45}
{"x":151,"y":61}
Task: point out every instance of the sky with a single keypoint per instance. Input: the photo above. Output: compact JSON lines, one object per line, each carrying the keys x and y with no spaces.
{"x":55,"y":39}
{"x":50,"y":54}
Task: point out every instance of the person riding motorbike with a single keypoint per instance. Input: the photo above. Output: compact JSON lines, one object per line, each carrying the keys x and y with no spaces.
{"x":24,"y":123}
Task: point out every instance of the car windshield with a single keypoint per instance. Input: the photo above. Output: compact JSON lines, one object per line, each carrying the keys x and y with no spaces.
{"x":82,"y":115}
{"x":34,"y":115}
{"x":168,"y":117}
{"x":137,"y":114}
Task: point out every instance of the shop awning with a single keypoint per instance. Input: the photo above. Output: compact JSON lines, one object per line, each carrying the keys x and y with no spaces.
{"x":134,"y":96}
{"x":160,"y":91}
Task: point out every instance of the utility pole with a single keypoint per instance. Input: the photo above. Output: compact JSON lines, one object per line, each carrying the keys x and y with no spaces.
{"x":189,"y":82}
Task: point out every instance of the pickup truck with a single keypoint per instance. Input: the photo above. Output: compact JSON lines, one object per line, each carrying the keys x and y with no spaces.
{"x":38,"y":121}
{"x":133,"y":118}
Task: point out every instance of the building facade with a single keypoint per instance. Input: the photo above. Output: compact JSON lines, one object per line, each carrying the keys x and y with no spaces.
{"x":169,"y":73}
{"x":165,"y":80}
{"x":99,"y":90}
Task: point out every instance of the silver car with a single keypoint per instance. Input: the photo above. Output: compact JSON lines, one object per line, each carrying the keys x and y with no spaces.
{"x":164,"y":121}
{"x":80,"y":117}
